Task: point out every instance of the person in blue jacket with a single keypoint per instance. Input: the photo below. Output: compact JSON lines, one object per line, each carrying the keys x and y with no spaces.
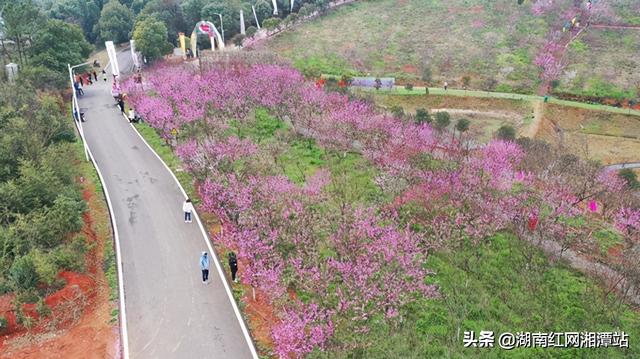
{"x":204,"y":266}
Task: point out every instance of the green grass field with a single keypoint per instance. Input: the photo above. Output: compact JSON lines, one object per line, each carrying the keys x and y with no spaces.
{"x":456,"y":38}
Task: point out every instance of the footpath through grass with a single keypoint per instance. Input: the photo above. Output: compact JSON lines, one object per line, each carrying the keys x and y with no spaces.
{"x":420,"y":91}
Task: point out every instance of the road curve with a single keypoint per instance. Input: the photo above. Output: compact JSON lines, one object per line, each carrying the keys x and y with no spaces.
{"x":170,"y":313}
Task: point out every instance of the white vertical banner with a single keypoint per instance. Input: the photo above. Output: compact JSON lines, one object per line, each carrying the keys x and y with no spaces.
{"x":275,"y":7}
{"x":113,"y":58}
{"x":134,"y":57}
{"x":242,"y":22}
{"x":292,"y":1}
{"x":255,"y":16}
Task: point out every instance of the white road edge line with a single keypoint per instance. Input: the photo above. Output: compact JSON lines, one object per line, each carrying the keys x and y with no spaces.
{"x":114,"y":225}
{"x":208,"y":242}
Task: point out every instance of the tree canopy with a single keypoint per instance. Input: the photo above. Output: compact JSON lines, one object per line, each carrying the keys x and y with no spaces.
{"x":57,"y":44}
{"x":116,"y":21}
{"x":150,"y":36}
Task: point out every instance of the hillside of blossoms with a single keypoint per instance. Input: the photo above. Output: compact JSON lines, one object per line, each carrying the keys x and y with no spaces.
{"x":332,"y":257}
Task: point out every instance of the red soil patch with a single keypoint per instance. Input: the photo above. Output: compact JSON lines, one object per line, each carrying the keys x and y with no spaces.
{"x":78,"y":326}
{"x":410,"y":69}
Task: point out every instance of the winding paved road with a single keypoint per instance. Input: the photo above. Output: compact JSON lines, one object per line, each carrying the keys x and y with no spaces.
{"x":170,"y":312}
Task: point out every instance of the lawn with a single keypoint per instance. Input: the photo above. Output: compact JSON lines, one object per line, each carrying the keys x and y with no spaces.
{"x":452,"y":39}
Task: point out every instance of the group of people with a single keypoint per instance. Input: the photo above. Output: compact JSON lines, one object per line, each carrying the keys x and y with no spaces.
{"x":87,"y":78}
{"x":188,"y":209}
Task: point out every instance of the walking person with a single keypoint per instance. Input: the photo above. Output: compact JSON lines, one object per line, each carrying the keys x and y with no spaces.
{"x":95,"y":76}
{"x":233,"y":265}
{"x":80,"y":80}
{"x":187,"y":207}
{"x":121,"y":104}
{"x":78,"y":88}
{"x":204,"y":267}
{"x":104,"y":75}
{"x":446,"y":84}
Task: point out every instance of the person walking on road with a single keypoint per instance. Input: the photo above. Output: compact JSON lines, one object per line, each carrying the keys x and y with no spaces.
{"x":204,"y":266}
{"x":187,"y":207}
{"x":121,"y":104}
{"x":95,"y":76}
{"x":446,"y":85}
{"x":233,"y":265}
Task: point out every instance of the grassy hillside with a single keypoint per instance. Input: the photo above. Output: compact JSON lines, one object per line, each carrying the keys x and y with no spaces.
{"x":452,"y":39}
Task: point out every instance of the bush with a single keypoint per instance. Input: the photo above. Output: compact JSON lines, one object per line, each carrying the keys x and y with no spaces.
{"x":42,"y":308}
{"x":422,"y":116}
{"x":251,"y":31}
{"x":307,"y":9}
{"x":443,"y":119}
{"x":237,"y":39}
{"x":630,"y":177}
{"x":426,"y":91}
{"x":23,"y":273}
{"x":46,"y":268}
{"x":462,"y":125}
{"x":291,"y":19}
{"x":70,"y":256}
{"x":506,"y":133}
{"x":4,"y":323}
{"x":426,"y":74}
{"x":42,"y":77}
{"x":271,"y":23}
{"x":408,"y":87}
{"x":397,"y":111}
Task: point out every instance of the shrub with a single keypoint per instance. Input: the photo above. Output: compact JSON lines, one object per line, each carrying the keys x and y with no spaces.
{"x":307,"y":9}
{"x":397,"y":111}
{"x":46,"y":268}
{"x":70,"y":256}
{"x":426,"y":74}
{"x":443,"y":119}
{"x":630,"y":177}
{"x":462,"y":125}
{"x":291,"y":19}
{"x":23,"y":273}
{"x":271,"y":23}
{"x":4,"y":323}
{"x":408,"y":87}
{"x":251,"y":31}
{"x":506,"y":133}
{"x":42,"y":308}
{"x":237,"y":39}
{"x":466,"y":80}
{"x":426,"y":91}
{"x":422,"y":116}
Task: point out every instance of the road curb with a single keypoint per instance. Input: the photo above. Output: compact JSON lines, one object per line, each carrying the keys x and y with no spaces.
{"x":205,"y":236}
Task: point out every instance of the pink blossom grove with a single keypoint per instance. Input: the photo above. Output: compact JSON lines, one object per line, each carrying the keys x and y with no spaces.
{"x":350,"y":262}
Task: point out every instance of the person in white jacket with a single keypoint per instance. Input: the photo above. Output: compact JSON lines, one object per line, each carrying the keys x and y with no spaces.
{"x":187,"y":207}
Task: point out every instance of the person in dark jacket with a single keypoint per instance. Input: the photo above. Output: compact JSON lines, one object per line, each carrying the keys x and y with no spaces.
{"x":233,"y":265}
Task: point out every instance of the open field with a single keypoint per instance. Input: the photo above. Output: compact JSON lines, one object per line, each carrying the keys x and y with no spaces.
{"x":479,"y":39}
{"x":608,"y":138}
{"x":486,"y":115}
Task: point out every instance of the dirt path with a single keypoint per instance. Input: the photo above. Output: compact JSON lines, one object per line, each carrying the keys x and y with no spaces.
{"x":498,"y":114}
{"x":534,"y":127}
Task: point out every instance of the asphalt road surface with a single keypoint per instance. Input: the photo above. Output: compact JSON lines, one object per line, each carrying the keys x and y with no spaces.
{"x":170,"y":312}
